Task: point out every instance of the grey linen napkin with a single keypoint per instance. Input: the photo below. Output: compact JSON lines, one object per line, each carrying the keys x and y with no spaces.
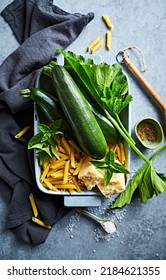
{"x":40,"y":28}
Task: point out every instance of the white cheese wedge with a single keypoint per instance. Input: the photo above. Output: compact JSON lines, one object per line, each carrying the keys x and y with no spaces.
{"x":93,"y":177}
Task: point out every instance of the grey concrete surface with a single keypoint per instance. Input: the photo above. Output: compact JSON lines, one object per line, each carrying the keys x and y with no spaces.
{"x":141,"y":226}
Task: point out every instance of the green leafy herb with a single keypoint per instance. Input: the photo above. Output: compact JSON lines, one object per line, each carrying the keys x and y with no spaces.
{"x":45,"y":141}
{"x":108,"y":86}
{"x":109,"y":166}
{"x":146,"y":182}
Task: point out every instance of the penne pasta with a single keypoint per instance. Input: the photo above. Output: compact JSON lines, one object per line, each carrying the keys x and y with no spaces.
{"x":107,"y":21}
{"x":33,"y":205}
{"x":40,"y":223}
{"x":97,"y":46}
{"x":122,"y":152}
{"x":93,"y":43}
{"x":78,"y":166}
{"x":72,"y":158}
{"x":76,"y":184}
{"x":66,"y":146}
{"x":76,"y":148}
{"x":62,"y":174}
{"x":44,"y":174}
{"x":66,"y":186}
{"x":66,"y":172}
{"x":58,"y":164}
{"x":22,"y":132}
{"x":118,"y":153}
{"x":108,"y":40}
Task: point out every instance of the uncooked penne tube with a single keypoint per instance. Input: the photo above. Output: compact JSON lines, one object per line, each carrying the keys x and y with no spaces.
{"x":66,"y":171}
{"x":33,"y":205}
{"x":97,"y":46}
{"x":107,"y":21}
{"x":93,"y":43}
{"x":123,"y":158}
{"x":23,"y":131}
{"x":40,"y":223}
{"x":108,"y":40}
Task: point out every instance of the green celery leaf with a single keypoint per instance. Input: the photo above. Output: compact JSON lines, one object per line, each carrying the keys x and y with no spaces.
{"x":162,"y":176}
{"x":145,"y":186}
{"x":158,"y":181}
{"x":146,"y":182}
{"x":126,"y":196}
{"x":116,"y":101}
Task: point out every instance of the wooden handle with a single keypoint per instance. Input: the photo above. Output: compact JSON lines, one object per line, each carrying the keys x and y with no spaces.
{"x":145,"y":84}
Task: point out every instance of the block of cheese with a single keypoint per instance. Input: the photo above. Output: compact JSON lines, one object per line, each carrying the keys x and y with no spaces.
{"x":93,"y":177}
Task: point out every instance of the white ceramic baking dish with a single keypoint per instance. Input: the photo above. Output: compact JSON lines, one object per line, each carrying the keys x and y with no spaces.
{"x":85,"y":198}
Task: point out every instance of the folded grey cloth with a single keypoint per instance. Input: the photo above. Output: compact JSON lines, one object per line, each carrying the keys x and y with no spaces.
{"x":40,"y":28}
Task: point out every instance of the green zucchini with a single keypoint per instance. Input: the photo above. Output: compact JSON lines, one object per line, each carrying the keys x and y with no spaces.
{"x":50,"y":108}
{"x":76,"y":108}
{"x":110,"y":132}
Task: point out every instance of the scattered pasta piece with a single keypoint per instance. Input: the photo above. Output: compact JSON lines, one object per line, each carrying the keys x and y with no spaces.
{"x":40,"y":223}
{"x":108,"y":40}
{"x":23,"y":131}
{"x":107,"y":21}
{"x":33,"y":205}
{"x":93,"y":43}
{"x":97,"y":46}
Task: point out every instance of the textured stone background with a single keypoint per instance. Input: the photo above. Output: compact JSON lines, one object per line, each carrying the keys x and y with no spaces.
{"x":141,"y":227}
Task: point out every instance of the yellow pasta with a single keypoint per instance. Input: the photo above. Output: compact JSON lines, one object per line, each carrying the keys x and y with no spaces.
{"x":58,"y":175}
{"x":53,"y":160}
{"x":66,"y":146}
{"x":93,"y":43}
{"x":62,"y":150}
{"x":122,"y":152}
{"x":40,"y":223}
{"x":58,"y":164}
{"x":118,"y":153}
{"x":97,"y":46}
{"x":76,"y":184}
{"x":78,"y":166}
{"x":72,"y":158}
{"x":33,"y":205}
{"x":74,"y":145}
{"x":48,"y":184}
{"x":44,"y":174}
{"x":23,"y":131}
{"x":61,"y":155}
{"x":66,"y":172}
{"x":107,"y":21}
{"x":66,"y":186}
{"x":108,"y":40}
{"x":62,"y":174}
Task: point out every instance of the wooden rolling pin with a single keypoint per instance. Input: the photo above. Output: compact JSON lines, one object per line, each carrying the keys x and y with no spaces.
{"x":145,"y":84}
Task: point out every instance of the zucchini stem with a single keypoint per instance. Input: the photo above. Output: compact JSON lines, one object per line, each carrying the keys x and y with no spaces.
{"x":126,"y":137}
